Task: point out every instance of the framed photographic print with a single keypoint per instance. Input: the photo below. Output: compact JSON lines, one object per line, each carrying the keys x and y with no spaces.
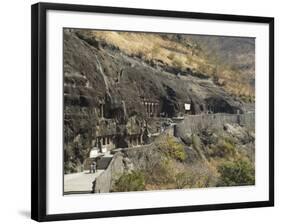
{"x":139,"y":111}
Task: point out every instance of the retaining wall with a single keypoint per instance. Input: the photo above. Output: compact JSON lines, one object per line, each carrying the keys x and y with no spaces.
{"x":115,"y":169}
{"x":193,"y":123}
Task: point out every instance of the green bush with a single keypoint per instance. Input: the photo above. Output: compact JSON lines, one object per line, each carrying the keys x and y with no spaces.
{"x":197,"y":145}
{"x":184,"y":179}
{"x":247,"y":99}
{"x":240,"y":172}
{"x":225,"y":148}
{"x":173,"y":149}
{"x":196,"y":142}
{"x":133,"y":181}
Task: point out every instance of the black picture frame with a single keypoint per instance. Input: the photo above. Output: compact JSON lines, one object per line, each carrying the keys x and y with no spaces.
{"x":39,"y":122}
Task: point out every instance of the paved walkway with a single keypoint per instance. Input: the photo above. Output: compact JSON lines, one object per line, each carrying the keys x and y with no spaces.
{"x":79,"y":182}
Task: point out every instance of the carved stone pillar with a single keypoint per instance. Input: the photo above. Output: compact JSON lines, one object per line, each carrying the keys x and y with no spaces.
{"x":146,"y":107}
{"x":101,"y":110}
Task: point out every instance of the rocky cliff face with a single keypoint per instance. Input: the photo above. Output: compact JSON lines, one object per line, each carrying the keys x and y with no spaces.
{"x":112,"y":98}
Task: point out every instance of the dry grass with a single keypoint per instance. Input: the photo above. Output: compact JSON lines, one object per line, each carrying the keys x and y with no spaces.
{"x":180,"y":54}
{"x":151,"y":47}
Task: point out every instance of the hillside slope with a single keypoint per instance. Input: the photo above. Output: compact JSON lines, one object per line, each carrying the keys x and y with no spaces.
{"x":228,"y":61}
{"x":107,"y":85}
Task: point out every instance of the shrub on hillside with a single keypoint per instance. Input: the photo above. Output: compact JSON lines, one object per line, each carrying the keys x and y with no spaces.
{"x":162,"y":173}
{"x":173,"y":149}
{"x":197,"y":145}
{"x":247,"y":99}
{"x":197,"y":175}
{"x":239,"y":172}
{"x":184,"y":179}
{"x":225,"y":148}
{"x":133,"y":181}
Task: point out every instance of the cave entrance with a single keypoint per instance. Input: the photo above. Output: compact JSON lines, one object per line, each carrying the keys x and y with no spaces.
{"x":120,"y":141}
{"x":168,"y":108}
{"x":219,"y":105}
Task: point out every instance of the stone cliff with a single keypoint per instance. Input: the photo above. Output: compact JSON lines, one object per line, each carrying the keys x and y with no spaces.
{"x":114,"y":99}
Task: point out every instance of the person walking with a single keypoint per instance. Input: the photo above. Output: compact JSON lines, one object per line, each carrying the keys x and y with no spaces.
{"x":94,"y":166}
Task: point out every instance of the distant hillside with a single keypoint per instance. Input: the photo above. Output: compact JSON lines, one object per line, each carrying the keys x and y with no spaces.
{"x":234,"y":53}
{"x":229,"y":62}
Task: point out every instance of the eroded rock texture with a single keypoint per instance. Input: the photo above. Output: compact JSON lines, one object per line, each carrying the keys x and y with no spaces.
{"x":116,"y":100}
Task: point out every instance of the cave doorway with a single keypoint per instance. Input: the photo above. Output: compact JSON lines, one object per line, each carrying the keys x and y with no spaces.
{"x":219,"y":105}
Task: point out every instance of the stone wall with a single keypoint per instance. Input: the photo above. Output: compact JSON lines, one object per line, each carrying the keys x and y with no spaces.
{"x":193,"y":123}
{"x":126,"y":159}
{"x":104,"y":181}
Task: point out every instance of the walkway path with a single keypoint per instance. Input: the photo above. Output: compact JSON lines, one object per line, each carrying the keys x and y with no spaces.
{"x":79,"y":182}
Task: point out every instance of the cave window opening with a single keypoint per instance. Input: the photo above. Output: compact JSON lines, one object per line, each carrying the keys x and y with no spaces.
{"x":103,"y":140}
